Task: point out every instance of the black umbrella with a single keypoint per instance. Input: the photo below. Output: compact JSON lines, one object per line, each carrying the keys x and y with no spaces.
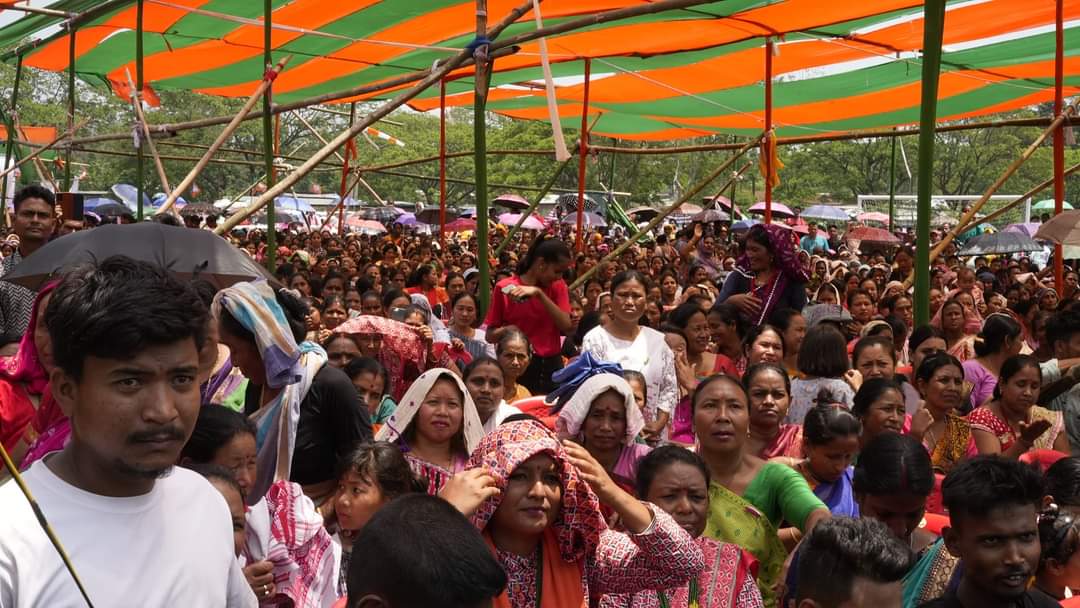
{"x":113,"y":210}
{"x":186,"y":252}
{"x":710,"y":215}
{"x":199,"y":209}
{"x":999,"y":243}
{"x":383,"y":215}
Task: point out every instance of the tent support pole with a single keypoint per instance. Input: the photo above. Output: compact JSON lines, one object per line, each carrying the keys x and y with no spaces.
{"x":136,"y":100}
{"x":583,"y":155}
{"x":442,"y":163}
{"x":70,"y":107}
{"x":692,"y":192}
{"x":769,"y":142}
{"x":934,"y":24}
{"x":10,"y":146}
{"x":267,"y":128}
{"x":482,"y":78}
{"x":1059,"y":141}
{"x":892,"y":185}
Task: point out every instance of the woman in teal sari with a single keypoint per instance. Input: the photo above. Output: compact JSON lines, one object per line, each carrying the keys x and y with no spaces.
{"x":748,"y":497}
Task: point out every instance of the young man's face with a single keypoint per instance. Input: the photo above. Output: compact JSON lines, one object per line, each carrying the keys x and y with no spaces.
{"x":129,"y":419}
{"x":1000,"y":551}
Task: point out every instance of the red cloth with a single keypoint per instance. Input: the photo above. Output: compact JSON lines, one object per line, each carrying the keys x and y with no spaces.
{"x":435,"y":297}
{"x":16,"y":414}
{"x":530,"y":316}
{"x":539,"y":409}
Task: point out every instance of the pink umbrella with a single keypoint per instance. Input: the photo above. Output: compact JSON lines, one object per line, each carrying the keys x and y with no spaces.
{"x":365,"y":225}
{"x":533,"y":222}
{"x":873,"y":216}
{"x":800,"y":226}
{"x":461,"y":225}
{"x":778,"y":209}
{"x":511,"y":201}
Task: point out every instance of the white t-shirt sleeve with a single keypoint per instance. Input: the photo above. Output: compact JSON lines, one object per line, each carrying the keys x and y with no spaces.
{"x":239,"y":593}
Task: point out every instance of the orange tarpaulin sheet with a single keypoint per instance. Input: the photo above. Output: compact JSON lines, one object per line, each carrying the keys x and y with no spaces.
{"x":34,"y":135}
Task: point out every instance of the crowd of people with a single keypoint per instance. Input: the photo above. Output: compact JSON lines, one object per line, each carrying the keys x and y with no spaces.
{"x":712,"y":419}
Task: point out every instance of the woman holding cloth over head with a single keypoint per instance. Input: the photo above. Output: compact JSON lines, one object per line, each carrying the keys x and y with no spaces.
{"x":436,"y":425}
{"x":536,"y":301}
{"x":768,"y":276}
{"x":545,"y":527}
{"x":308,"y":414}
{"x":641,"y":349}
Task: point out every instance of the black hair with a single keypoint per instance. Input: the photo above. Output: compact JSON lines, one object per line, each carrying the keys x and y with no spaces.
{"x":870,"y":341}
{"x":381,"y":463}
{"x":168,"y":219}
{"x":935,"y":362}
{"x":680,"y":317}
{"x":33,"y":191}
{"x":759,"y":235}
{"x":216,"y":472}
{"x":513,"y":334}
{"x":588,"y":322}
{"x":371,"y":294}
{"x":996,"y":329}
{"x":629,"y":275}
{"x":921,"y":334}
{"x":979,"y":485}
{"x":760,"y":368}
{"x":870,"y":391}
{"x":477,"y":362}
{"x":416,"y":277}
{"x":205,"y":290}
{"x":840,"y":550}
{"x":780,"y":318}
{"x":451,"y":276}
{"x":730,"y":315}
{"x":636,"y":376}
{"x":711,"y":380}
{"x":368,"y":365}
{"x":1058,"y":537}
{"x":546,"y":248}
{"x":334,"y":299}
{"x":661,"y":458}
{"x":116,"y":309}
{"x":899,"y":328}
{"x":215,"y":427}
{"x":296,"y":311}
{"x":464,"y":294}
{"x":823,"y":352}
{"x":409,"y":567}
{"x":893,"y":464}
{"x":755,"y":333}
{"x":825,"y":423}
{"x":390,"y":295}
{"x":1063,"y":481}
{"x":859,"y":291}
{"x":1062,"y":325}
{"x":415,"y":309}
{"x":1011,"y":367}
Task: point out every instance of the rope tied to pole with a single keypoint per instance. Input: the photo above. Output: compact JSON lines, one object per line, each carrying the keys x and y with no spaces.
{"x":480,"y":42}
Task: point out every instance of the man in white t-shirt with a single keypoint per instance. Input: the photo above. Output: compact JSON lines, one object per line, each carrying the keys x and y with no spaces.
{"x":139,"y":532}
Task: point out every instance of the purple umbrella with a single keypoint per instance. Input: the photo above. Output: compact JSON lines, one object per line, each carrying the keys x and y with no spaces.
{"x":778,"y":209}
{"x":406,"y":219}
{"x":1029,"y":229}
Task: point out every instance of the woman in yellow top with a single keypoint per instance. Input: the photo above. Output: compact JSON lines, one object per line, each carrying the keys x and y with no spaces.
{"x":514,"y":353}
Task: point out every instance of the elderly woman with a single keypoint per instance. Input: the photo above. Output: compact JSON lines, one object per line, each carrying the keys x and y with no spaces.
{"x":603,"y":416}
{"x":769,"y":275}
{"x":307,"y":412}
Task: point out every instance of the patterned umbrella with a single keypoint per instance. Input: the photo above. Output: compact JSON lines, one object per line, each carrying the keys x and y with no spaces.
{"x":873,"y":216}
{"x":869,"y":234}
{"x":588,"y":220}
{"x":379,"y":214}
{"x":778,"y":209}
{"x":710,"y":215}
{"x":999,"y":243}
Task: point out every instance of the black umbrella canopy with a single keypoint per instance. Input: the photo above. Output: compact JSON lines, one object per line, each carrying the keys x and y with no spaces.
{"x":185,"y":252}
{"x":113,"y":210}
{"x":1000,"y":243}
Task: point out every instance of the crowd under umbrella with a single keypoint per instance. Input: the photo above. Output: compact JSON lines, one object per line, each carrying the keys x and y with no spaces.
{"x":193,"y":209}
{"x":511,"y":201}
{"x":366,"y":226}
{"x":710,"y":215}
{"x":778,"y":209}
{"x":383,"y":214}
{"x":873,"y":216}
{"x":533,"y":222}
{"x":1050,"y":205}
{"x":462,"y":224}
{"x":1029,"y":228}
{"x":825,"y":213}
{"x":113,"y":209}
{"x":407,"y":219}
{"x":1000,"y":243}
{"x":869,"y":234}
{"x":1063,"y":229}
{"x":94,"y":202}
{"x":183,"y":252}
{"x":718,"y":201}
{"x":129,"y":195}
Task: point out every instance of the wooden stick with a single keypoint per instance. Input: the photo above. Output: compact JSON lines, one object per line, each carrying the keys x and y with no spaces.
{"x":318,"y":135}
{"x":136,"y":102}
{"x":363,"y":182}
{"x":33,"y":155}
{"x":255,"y":97}
{"x":466,"y":182}
{"x":191,"y":159}
{"x":382,"y":111}
{"x":1014,"y":203}
{"x":687,"y":196}
{"x":1012,"y":168}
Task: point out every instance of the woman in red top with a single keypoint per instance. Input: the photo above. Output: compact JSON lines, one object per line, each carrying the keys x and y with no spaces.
{"x":536,"y":301}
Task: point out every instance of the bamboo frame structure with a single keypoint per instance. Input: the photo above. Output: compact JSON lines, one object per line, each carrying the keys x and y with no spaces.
{"x":136,"y":103}
{"x":583,"y":155}
{"x":1014,"y":203}
{"x":687,"y":196}
{"x":136,"y":100}
{"x":770,"y":145}
{"x":1059,"y":138}
{"x":442,"y":163}
{"x":268,"y":145}
{"x":228,"y":131}
{"x":480,"y":91}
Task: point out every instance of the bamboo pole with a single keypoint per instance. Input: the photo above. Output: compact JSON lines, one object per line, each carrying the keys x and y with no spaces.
{"x":403,"y":97}
{"x":481,"y":80}
{"x":892,"y":184}
{"x":1014,"y":203}
{"x":190,"y":159}
{"x":33,"y":155}
{"x":228,"y":131}
{"x":1059,"y":139}
{"x":136,"y":102}
{"x":34,"y":10}
{"x":454,"y":180}
{"x":583,"y":155}
{"x":1009,"y":171}
{"x":268,"y":144}
{"x":225,"y":149}
{"x":442,"y":163}
{"x":10,"y":146}
{"x":70,"y":107}
{"x":316,"y":133}
{"x":690,"y":194}
{"x":769,"y":135}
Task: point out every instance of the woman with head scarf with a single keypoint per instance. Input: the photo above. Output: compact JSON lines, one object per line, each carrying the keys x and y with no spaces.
{"x":769,"y":275}
{"x":546,"y":529}
{"x":436,"y":425}
{"x":958,"y":324}
{"x":603,"y":417}
{"x":308,"y":414}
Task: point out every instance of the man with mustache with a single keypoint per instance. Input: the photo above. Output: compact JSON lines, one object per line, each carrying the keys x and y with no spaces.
{"x":993,"y":505}
{"x":139,"y":532}
{"x":33,"y":224}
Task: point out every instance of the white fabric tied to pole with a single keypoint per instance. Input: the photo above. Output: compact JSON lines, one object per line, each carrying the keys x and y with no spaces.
{"x":561,"y":153}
